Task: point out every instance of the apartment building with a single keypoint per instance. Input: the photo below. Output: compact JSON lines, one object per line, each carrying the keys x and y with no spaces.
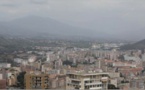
{"x":36,"y":81}
{"x":87,"y":81}
{"x":39,"y":80}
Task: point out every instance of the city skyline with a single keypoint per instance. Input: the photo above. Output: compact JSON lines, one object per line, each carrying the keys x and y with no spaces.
{"x":72,"y":44}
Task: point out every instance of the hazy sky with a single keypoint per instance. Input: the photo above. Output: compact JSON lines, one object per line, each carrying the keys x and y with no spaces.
{"x":123,"y":18}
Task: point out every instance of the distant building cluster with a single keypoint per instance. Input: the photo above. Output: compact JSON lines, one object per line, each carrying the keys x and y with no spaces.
{"x":101,"y":67}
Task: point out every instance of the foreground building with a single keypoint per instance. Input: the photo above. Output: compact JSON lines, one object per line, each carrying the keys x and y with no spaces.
{"x":44,"y":81}
{"x":87,"y":81}
{"x":36,"y":81}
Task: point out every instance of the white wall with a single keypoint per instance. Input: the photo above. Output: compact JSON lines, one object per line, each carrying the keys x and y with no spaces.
{"x":1,"y":76}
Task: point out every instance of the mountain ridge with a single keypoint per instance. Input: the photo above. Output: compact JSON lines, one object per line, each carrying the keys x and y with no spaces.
{"x":31,"y":26}
{"x":34,"y":24}
{"x":138,"y":45}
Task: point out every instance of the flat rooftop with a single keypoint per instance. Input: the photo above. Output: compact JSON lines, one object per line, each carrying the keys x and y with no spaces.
{"x":83,"y":73}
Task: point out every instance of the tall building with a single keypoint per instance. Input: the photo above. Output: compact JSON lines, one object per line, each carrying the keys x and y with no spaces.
{"x":36,"y":81}
{"x":48,"y":57}
{"x":87,"y":81}
{"x":58,"y":64}
{"x":74,"y":61}
{"x":98,"y":63}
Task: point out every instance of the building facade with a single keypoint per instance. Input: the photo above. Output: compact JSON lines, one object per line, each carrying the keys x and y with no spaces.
{"x":87,"y":81}
{"x":36,"y":81}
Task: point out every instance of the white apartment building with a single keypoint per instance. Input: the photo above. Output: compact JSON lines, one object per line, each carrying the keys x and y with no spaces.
{"x":87,"y":81}
{"x":121,"y":64}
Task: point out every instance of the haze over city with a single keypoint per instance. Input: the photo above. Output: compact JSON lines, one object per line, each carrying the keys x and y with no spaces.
{"x":106,"y":19}
{"x":72,"y":44}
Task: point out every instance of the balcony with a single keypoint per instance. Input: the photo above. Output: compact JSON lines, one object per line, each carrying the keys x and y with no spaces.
{"x":75,"y":79}
{"x":95,"y":88}
{"x":74,"y":83}
{"x":104,"y":79}
{"x":86,"y":79}
{"x":38,"y":78}
{"x":93,"y":83}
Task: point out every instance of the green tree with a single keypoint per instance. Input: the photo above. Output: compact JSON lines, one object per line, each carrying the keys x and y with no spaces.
{"x":111,"y":86}
{"x":20,"y":79}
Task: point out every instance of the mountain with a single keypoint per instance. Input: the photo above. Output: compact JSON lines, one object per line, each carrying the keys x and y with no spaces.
{"x":137,"y":45}
{"x":34,"y":26}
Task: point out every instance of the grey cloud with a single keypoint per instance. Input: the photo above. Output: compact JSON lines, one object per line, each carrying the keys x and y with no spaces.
{"x":116,"y":17}
{"x":8,"y":5}
{"x":38,"y":1}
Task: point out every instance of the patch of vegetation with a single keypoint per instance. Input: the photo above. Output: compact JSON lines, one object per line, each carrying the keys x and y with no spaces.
{"x":111,"y":86}
{"x":20,"y":79}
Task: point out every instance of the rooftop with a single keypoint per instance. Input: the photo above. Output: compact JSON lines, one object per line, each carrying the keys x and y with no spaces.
{"x":87,"y":73}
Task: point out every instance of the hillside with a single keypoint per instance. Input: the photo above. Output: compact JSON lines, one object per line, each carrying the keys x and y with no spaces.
{"x":34,"y":26}
{"x":137,"y":45}
{"x":10,"y":44}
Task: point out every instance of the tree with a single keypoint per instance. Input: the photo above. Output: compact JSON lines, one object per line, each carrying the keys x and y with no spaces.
{"x":121,"y":75}
{"x":67,"y":62}
{"x":121,"y":57}
{"x":111,"y":86}
{"x":20,"y":79}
